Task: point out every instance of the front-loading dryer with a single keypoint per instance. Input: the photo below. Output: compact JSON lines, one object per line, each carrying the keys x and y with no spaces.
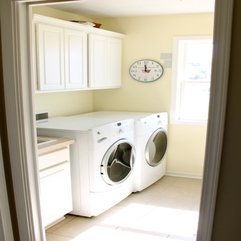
{"x":150,"y":139}
{"x":151,"y":147}
{"x":102,"y":160}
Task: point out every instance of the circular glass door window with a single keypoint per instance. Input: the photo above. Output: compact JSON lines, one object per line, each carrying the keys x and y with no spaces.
{"x":118,"y":162}
{"x":156,"y":147}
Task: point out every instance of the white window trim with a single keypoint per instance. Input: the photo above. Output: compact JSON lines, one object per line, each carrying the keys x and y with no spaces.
{"x":174,"y":85}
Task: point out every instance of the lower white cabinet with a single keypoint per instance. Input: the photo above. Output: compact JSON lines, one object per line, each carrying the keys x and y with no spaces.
{"x":55,"y":185}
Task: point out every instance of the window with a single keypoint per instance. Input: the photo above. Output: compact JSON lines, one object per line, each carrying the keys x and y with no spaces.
{"x":192,"y":57}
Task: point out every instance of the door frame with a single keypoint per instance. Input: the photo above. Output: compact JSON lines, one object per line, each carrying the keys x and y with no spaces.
{"x":216,"y":118}
{"x":6,"y":233}
{"x":19,"y":96}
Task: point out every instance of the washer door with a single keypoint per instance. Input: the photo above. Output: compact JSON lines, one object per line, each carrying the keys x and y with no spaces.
{"x":156,"y":147}
{"x":118,"y":162}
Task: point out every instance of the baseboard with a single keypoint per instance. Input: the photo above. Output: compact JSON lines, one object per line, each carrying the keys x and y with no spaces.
{"x":184,"y":174}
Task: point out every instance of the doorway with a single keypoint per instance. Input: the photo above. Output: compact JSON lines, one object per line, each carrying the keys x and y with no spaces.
{"x":213,"y":117}
{"x":163,"y":85}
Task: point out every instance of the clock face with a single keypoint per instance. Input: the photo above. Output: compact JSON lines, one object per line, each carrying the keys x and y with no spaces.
{"x":146,"y":70}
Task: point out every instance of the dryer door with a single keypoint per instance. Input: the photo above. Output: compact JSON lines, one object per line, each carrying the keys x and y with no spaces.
{"x":118,"y":162}
{"x":156,"y":147}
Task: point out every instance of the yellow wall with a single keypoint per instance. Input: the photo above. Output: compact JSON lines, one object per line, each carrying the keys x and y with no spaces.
{"x":186,"y":150}
{"x":148,"y":37}
{"x":65,"y":103}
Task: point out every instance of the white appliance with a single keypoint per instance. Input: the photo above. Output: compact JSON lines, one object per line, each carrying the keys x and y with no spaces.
{"x":102,"y":160}
{"x":150,"y":143}
{"x":151,"y":148}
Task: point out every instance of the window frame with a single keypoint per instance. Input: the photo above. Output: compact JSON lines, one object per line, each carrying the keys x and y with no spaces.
{"x":177,"y":85}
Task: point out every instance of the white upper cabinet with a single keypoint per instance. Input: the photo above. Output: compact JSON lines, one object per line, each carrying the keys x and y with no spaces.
{"x":104,"y":61}
{"x":115,"y":61}
{"x":61,"y":58}
{"x":75,"y":59}
{"x":69,"y":56}
{"x":50,"y":57}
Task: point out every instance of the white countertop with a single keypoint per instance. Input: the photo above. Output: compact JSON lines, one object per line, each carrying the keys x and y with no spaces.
{"x":55,"y":144}
{"x":89,"y":121}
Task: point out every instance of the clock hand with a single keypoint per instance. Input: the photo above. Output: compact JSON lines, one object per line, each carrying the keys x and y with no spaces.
{"x":146,"y":70}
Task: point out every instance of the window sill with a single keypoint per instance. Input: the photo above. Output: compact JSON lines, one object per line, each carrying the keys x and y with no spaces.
{"x":188,"y":122}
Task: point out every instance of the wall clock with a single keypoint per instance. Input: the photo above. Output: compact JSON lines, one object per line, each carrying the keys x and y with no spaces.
{"x":146,"y":70}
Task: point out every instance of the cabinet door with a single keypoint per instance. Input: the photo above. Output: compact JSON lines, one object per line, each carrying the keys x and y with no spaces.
{"x":50,"y":57}
{"x":98,"y":61}
{"x":55,"y":193}
{"x":75,"y":59}
{"x":115,"y":58}
{"x":104,"y":62}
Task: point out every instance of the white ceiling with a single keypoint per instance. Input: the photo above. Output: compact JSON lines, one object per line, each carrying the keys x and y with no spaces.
{"x":125,"y":8}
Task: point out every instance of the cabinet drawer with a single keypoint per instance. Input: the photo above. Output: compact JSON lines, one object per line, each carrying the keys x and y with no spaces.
{"x":53,"y":158}
{"x":55,"y":193}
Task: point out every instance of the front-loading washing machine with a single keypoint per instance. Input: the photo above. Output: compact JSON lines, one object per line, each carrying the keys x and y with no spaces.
{"x":102,"y":160}
{"x":150,"y":143}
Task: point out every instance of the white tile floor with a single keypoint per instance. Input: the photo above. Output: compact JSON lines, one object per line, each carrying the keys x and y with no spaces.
{"x":166,"y":211}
